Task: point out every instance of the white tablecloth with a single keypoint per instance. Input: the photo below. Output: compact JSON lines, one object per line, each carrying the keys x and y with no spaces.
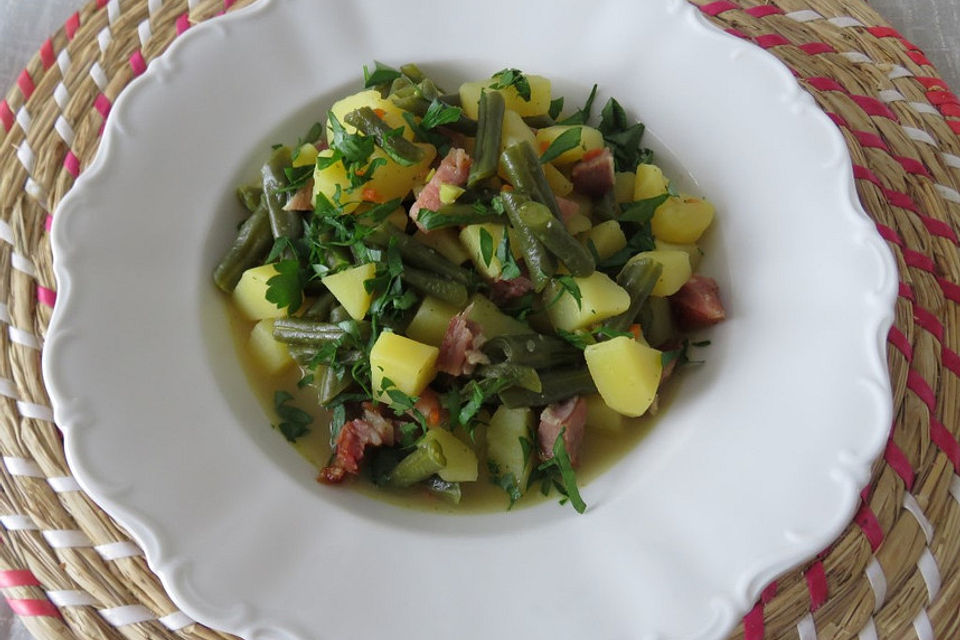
{"x":934,"y":25}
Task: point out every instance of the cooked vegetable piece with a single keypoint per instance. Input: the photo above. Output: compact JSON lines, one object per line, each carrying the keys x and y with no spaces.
{"x":489,"y":130}
{"x":430,"y":322}
{"x":521,"y":164}
{"x":481,"y":242}
{"x":559,"y":183}
{"x":538,"y":104}
{"x":533,"y":350}
{"x":514,"y":131}
{"x":401,"y":150}
{"x":251,"y":245}
{"x":389,"y":181}
{"x":283,"y":223}
{"x":445,"y":242}
{"x":600,"y":298}
{"x":513,"y":374}
{"x":306,"y":155}
{"x":682,"y":220}
{"x":577,"y":224}
{"x":349,"y":289}
{"x":558,"y":384}
{"x":272,"y":355}
{"x":461,"y":463}
{"x":624,"y":186}
{"x":303,"y":331}
{"x":607,"y":239}
{"x":449,"y":491}
{"x":494,"y":322}
{"x":423,"y":462}
{"x":657,"y":322}
{"x":691,"y":249}
{"x":627,"y":374}
{"x":506,"y":450}
{"x":602,"y":417}
{"x":676,"y":270}
{"x":371,"y":98}
{"x":552,"y":234}
{"x":408,"y":364}
{"x":250,"y":294}
{"x":590,"y":140}
{"x":419,"y":255}
{"x":431,"y":284}
{"x":639,"y":277}
{"x":540,"y":264}
{"x":650,"y":182}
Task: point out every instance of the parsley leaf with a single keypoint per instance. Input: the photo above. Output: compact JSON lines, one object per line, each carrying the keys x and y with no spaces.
{"x":582,"y":116}
{"x":567,"y":140}
{"x":509,"y":268}
{"x":286,"y":288}
{"x":567,"y":285}
{"x":439,"y":114}
{"x":512,"y":78}
{"x":579,"y":339}
{"x":623,"y":138}
{"x":486,"y":246}
{"x":294,"y":422}
{"x":558,"y":470}
{"x":440,"y":141}
{"x":355,"y":148}
{"x":607,"y":332}
{"x":556,"y":106}
{"x":506,"y":481}
{"x":381,"y":74}
{"x":641,"y":211}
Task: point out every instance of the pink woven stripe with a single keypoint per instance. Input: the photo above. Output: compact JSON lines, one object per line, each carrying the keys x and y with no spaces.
{"x":941,"y":97}
{"x":900,"y":343}
{"x":919,"y":58}
{"x":898,"y":199}
{"x":932,"y":83}
{"x":873,"y":107}
{"x":919,"y":386}
{"x":183,"y":23}
{"x":945,"y":441}
{"x":47,"y":56}
{"x":71,"y":164}
{"x":866,"y":519}
{"x":911,"y":165}
{"x":18,"y":578}
{"x":137,"y":63}
{"x":25,"y":82}
{"x":919,"y":261}
{"x":737,"y":33}
{"x":30,"y":607}
{"x":821,"y":83}
{"x":769,"y":40}
{"x":950,"y":109}
{"x":951,"y":360}
{"x":885,"y":32}
{"x":816,"y":585}
{"x":763,"y":11}
{"x":889,"y":234}
{"x":227,"y":4}
{"x":837,"y":119}
{"x":872,"y":140}
{"x":46,"y":296}
{"x":6,"y":115}
{"x":753,"y":627}
{"x":768,"y":593}
{"x":939,"y":228}
{"x":71,"y":25}
{"x":954,"y":126}
{"x":101,"y":4}
{"x":102,"y":104}
{"x":48,"y":223}
{"x":716,"y":8}
{"x":863,"y":173}
{"x":898,"y":461}
{"x":950,"y":289}
{"x":906,"y":291}
{"x":815,"y":48}
{"x":929,"y":321}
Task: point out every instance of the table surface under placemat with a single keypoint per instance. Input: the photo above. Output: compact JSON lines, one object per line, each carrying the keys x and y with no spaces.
{"x":69,"y":572}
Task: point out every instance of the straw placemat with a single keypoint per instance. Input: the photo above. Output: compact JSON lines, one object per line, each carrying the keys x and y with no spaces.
{"x":70,"y":572}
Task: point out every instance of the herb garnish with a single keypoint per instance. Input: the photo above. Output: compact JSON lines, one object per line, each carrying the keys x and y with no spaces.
{"x":294,"y":422}
{"x":381,"y":75}
{"x":582,"y":115}
{"x":438,"y":114}
{"x":512,"y":78}
{"x":567,"y":140}
{"x":622,"y":137}
{"x":286,"y":288}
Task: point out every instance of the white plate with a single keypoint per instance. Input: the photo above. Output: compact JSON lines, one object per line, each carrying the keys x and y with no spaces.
{"x":756,"y":466}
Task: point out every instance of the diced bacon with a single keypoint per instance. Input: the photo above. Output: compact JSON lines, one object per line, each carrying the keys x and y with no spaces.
{"x":568,"y":208}
{"x":454,"y":169}
{"x":428,"y":404}
{"x":594,"y":175}
{"x":697,"y":303}
{"x":355,"y":436}
{"x":502,"y":292}
{"x":569,"y":416}
{"x":302,"y":199}
{"x":460,"y":350}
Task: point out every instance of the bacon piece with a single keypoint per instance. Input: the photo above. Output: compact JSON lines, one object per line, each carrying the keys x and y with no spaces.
{"x":569,"y":416}
{"x":428,"y":404}
{"x":302,"y":199}
{"x":502,"y":292}
{"x":355,"y":436}
{"x":568,"y":208}
{"x":594,"y":175}
{"x":460,"y":350}
{"x":454,"y":169}
{"x":697,"y":303}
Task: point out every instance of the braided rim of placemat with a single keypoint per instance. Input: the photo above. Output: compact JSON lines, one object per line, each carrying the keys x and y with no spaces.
{"x":69,"y":571}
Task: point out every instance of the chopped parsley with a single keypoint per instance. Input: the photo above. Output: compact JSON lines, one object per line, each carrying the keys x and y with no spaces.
{"x":294,"y":422}
{"x":623,"y":138}
{"x":512,"y":78}
{"x":381,"y":75}
{"x":569,"y":139}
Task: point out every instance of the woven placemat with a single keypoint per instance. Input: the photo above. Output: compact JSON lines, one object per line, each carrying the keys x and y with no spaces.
{"x":70,"y":572}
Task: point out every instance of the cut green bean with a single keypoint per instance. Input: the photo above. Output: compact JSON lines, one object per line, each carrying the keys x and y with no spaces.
{"x":532,"y":350}
{"x":539,"y":122}
{"x":557,"y":385}
{"x":419,"y":255}
{"x":489,"y":128}
{"x":425,"y":461}
{"x":305,"y":331}
{"x":555,"y":237}
{"x":516,"y":374}
{"x":657,"y":321}
{"x":390,"y":140}
{"x":540,"y":264}
{"x":412,"y":72}
{"x":338,"y":314}
{"x":522,"y":167}
{"x":431,"y":284}
{"x":250,"y":196}
{"x":638,"y":278}
{"x":332,"y":385}
{"x":449,"y":491}
{"x":321,"y":307}
{"x":455,"y":215}
{"x":273,"y":179}
{"x":248,"y":250}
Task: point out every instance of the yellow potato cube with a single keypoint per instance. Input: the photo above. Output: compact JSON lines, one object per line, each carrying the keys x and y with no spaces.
{"x":389,"y":181}
{"x":408,"y":364}
{"x":623,"y":187}
{"x":515,"y":131}
{"x":682,"y":220}
{"x":590,"y":139}
{"x":446,"y":243}
{"x":676,"y":270}
{"x":650,"y":182}
{"x":429,"y":324}
{"x":461,"y":460}
{"x":472,"y":238}
{"x":450,"y":192}
{"x":504,"y":448}
{"x":558,"y":182}
{"x":348,"y":288}
{"x":389,"y":112}
{"x":577,"y":223}
{"x":538,"y":104}
{"x":306,"y":155}
{"x":250,"y":294}
{"x":601,"y":417}
{"x":494,"y":322}
{"x":271,"y":354}
{"x":691,"y":249}
{"x":601,"y":298}
{"x":627,"y":374}
{"x":607,"y":238}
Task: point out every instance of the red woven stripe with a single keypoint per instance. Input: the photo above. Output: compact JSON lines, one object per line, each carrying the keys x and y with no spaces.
{"x":946,"y":442}
{"x":227,"y":4}
{"x":816,"y":585}
{"x":919,"y":386}
{"x":48,"y":223}
{"x":837,"y":119}
{"x":866,"y":519}
{"x":25,"y":82}
{"x":864,"y":173}
{"x":906,"y":291}
{"x":753,"y":628}
{"x":911,"y":165}
{"x":737,"y":33}
{"x":889,"y":234}
{"x":816,"y":48}
{"x":716,"y":8}
{"x":950,"y":289}
{"x":821,"y":83}
{"x":29,"y":607}
{"x":919,"y":261}
{"x":954,"y":125}
{"x":101,"y":3}
{"x":102,"y":104}
{"x":47,"y":56}
{"x":931,"y":83}
{"x":768,"y":593}
{"x":898,"y":199}
{"x":884,"y":32}
{"x":6,"y":115}
{"x":918,"y":57}
{"x":900,"y":343}
{"x":873,"y":107}
{"x":950,"y":109}
{"x":18,"y":578}
{"x":71,"y":164}
{"x":867,"y":139}
{"x":137,"y":63}
{"x":764,"y":10}
{"x":71,"y":25}
{"x":941,"y":96}
{"x":894,"y":457}
{"x":939,"y":228}
{"x":46,"y":296}
{"x":950,"y":360}
{"x":183,"y":23}
{"x":928,"y":321}
{"x":769,"y":40}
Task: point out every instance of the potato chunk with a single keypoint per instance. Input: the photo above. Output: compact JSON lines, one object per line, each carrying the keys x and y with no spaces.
{"x":650,"y":182}
{"x":590,"y":139}
{"x":691,"y":249}
{"x":429,"y":325}
{"x":271,"y":354}
{"x":388,"y":112}
{"x":472,"y":238}
{"x":348,"y":288}
{"x":250,"y":294}
{"x":627,"y":374}
{"x":461,"y":460}
{"x":682,"y":220}
{"x":601,"y":298}
{"x":389,"y":181}
{"x":607,"y":238}
{"x":504,"y":447}
{"x":676,"y":270}
{"x":408,"y":364}
{"x":538,"y":104}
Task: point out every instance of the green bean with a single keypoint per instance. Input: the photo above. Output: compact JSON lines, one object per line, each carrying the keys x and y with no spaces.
{"x":392,"y":142}
{"x":540,"y":264}
{"x":455,"y":215}
{"x":539,"y":122}
{"x":557,"y":385}
{"x":532,"y":350}
{"x":248,"y":250}
{"x":412,"y":99}
{"x":452,"y":99}
{"x":302,"y":354}
{"x":250,"y":196}
{"x":306,"y":332}
{"x":412,"y":72}
{"x":657,"y":321}
{"x":431,"y":284}
{"x":489,"y":128}
{"x":321,"y":307}
{"x":449,"y":491}
{"x":425,"y":461}
{"x":419,"y":255}
{"x":517,"y":374}
{"x":522,"y":166}
{"x":606,"y":207}
{"x":550,"y":231}
{"x":339,"y":314}
{"x":638,"y":278}
{"x":332,"y":384}
{"x":282,"y":223}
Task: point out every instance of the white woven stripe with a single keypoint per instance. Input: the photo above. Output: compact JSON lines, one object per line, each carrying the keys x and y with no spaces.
{"x":9,"y":389}
{"x":890,"y":95}
{"x":24,"y":338}
{"x":22,"y":467}
{"x":18,"y":523}
{"x":947,"y":193}
{"x":898,"y":71}
{"x":153,"y":6}
{"x":6,"y":233}
{"x":806,"y":15}
{"x":25,"y":156}
{"x":71,"y":598}
{"x":910,"y":504}
{"x":951,"y":160}
{"x":144,"y":32}
{"x":955,"y":487}
{"x":923,"y":107}
{"x":869,"y":631}
{"x":843,"y":22}
{"x":113,"y":11}
{"x":104,"y":38}
{"x":921,"y":624}
{"x":23,"y":118}
{"x":191,"y":4}
{"x":806,"y":628}
{"x":98,"y":75}
{"x":66,"y":538}
{"x":61,"y":96}
{"x":4,"y":312}
{"x":64,"y":61}
{"x":23,"y":264}
{"x":919,"y":135}
{"x":117,"y":550}
{"x":64,"y":130}
{"x":176,"y":620}
{"x":35,"y":411}
{"x":927,"y":565}
{"x":128,"y":614}
{"x":856,"y":56}
{"x":63,"y":484}
{"x":33,"y":189}
{"x":878,"y":582}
